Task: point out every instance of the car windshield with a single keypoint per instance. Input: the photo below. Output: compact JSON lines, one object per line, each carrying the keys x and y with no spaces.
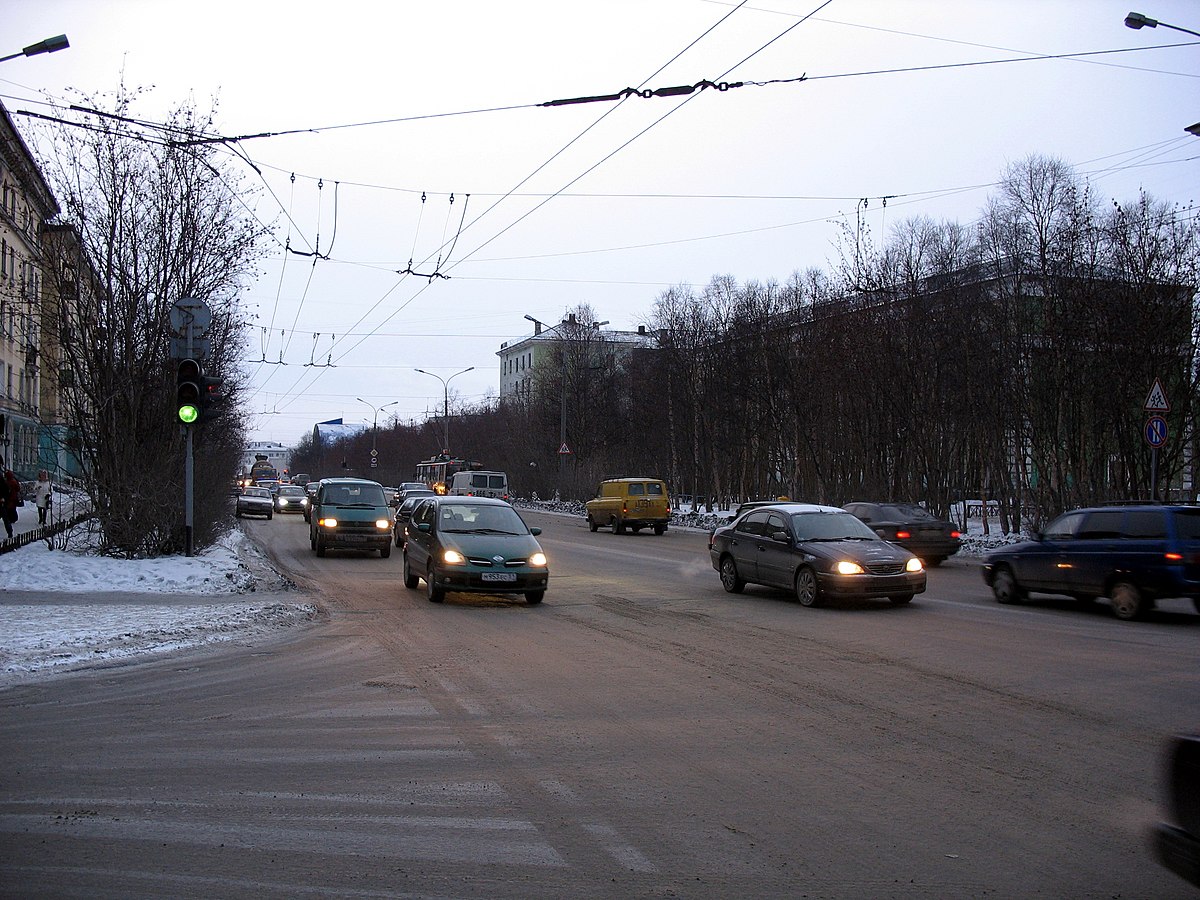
{"x":355,"y":495}
{"x":291,"y":492}
{"x":469,"y":518}
{"x":830,"y":526}
{"x":257,"y":492}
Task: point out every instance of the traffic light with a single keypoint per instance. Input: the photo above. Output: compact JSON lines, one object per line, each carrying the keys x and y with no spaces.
{"x":210,"y":396}
{"x":189,"y":390}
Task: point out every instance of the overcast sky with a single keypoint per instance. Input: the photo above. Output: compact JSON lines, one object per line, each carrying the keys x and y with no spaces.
{"x":605,"y":203}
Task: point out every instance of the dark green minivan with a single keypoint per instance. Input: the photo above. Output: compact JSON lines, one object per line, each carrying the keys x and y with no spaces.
{"x":350,"y":514}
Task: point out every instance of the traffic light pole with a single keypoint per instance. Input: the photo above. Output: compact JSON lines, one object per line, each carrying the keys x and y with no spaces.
{"x":188,"y":471}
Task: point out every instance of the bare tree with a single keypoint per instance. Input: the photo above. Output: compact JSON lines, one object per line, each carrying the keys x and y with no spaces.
{"x":158,"y":218}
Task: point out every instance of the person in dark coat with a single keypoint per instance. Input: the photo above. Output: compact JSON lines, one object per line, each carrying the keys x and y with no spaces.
{"x":12,"y":498}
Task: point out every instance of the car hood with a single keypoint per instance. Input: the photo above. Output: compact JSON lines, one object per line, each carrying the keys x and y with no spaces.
{"x":487,"y":546}
{"x":876,"y":551}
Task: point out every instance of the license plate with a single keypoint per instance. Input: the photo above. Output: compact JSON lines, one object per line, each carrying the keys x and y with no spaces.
{"x":354,"y":538}
{"x":499,"y":576}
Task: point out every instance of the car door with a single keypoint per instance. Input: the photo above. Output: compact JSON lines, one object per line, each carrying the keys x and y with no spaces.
{"x":1037,"y":564}
{"x":775,"y":558}
{"x":744,"y":544}
{"x":1084,"y":566}
{"x":416,"y":547}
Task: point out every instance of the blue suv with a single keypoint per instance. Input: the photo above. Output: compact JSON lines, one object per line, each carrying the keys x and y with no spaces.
{"x":1132,"y":554}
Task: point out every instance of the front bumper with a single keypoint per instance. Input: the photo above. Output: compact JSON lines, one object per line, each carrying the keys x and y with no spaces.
{"x":471,"y":581}
{"x":862,"y":586}
{"x":1178,"y":851}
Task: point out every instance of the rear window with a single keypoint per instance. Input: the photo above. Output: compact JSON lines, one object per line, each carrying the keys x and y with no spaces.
{"x":1187,"y":523}
{"x":637,"y":490}
{"x":1145,"y":523}
{"x":495,"y":481}
{"x":655,"y":488}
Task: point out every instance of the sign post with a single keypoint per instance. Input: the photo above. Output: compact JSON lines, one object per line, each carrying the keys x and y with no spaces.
{"x":1155,"y":431}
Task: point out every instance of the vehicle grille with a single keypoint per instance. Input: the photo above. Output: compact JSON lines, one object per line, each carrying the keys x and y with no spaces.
{"x":886,"y":568}
{"x":488,"y":563}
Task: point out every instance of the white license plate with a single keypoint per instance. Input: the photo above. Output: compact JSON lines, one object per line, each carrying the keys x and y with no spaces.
{"x":499,"y":576}
{"x":354,"y":538}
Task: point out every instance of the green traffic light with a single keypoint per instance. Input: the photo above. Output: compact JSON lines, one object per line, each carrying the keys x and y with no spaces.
{"x":188,"y":414}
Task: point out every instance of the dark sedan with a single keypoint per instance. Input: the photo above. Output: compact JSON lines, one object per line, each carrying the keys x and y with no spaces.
{"x":819,"y":552}
{"x":913,"y":527}
{"x":404,"y":516}
{"x":476,"y":545}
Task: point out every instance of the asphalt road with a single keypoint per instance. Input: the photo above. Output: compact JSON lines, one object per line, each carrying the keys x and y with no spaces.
{"x":641,"y":733}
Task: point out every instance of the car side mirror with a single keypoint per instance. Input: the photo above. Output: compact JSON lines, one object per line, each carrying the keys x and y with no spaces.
{"x":781,"y":536}
{"x":535,"y":531}
{"x":425,"y":527}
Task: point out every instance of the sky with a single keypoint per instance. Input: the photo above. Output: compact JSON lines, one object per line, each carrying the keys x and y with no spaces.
{"x":419,"y":145}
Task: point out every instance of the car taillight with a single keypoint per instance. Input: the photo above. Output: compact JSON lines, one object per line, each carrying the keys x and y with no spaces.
{"x":902,"y":535}
{"x":1176,"y":557}
{"x":954,"y":533}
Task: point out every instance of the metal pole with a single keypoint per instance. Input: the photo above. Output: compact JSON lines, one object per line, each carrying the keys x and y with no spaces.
{"x":188,"y":472}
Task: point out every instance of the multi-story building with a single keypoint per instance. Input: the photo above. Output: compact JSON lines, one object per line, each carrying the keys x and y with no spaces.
{"x":26,"y":205}
{"x":522,"y":360}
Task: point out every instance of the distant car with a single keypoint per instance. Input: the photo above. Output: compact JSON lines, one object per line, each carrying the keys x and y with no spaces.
{"x":399,"y":492}
{"x":410,"y":493}
{"x":404,"y":515}
{"x":1177,"y":843}
{"x":633,"y":503}
{"x":912,"y":527}
{"x":1131,"y":554}
{"x":254,"y":501}
{"x":818,"y":552}
{"x":477,"y":545}
{"x":291,"y":498}
{"x":310,"y":491}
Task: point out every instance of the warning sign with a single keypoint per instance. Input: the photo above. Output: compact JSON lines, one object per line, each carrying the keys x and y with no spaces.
{"x":563,"y":450}
{"x":1157,"y":401}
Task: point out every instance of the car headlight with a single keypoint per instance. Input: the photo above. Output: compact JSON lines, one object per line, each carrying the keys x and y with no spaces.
{"x":383,"y":524}
{"x":914,"y":565}
{"x":848,"y":567}
{"x":453,"y":557}
{"x":327,"y":522}
{"x":538,"y":559}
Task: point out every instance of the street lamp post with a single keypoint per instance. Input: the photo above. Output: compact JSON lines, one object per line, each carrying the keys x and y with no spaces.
{"x":375,"y":427}
{"x":49,"y":45}
{"x":446,"y":403}
{"x":1136,"y":20}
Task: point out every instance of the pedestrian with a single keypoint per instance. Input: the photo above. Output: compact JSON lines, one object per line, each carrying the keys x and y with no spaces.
{"x":43,"y":493}
{"x":11,"y":500}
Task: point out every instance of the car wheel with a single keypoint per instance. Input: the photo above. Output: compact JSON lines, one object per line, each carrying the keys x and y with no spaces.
{"x":900,"y":599}
{"x":312,"y":539}
{"x":533,"y":598}
{"x":592,"y":526}
{"x":432,"y":591}
{"x":1005,"y":588}
{"x":269,"y":516}
{"x":934,"y":561}
{"x":385,"y":551}
{"x":237,"y":514}
{"x":618,"y":526}
{"x":1127,"y":601}
{"x":729,"y":576}
{"x":320,"y":546}
{"x":410,"y":580}
{"x":1196,"y":603}
{"x":659,"y":529}
{"x":807,"y":592}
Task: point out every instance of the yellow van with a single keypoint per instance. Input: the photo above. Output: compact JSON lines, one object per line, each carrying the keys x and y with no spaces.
{"x":633,"y":503}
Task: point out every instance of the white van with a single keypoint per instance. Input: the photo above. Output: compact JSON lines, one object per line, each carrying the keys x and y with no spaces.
{"x":479,"y":484}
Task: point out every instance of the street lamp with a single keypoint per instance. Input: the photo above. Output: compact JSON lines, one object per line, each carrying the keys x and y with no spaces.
{"x":375,"y":427}
{"x":446,"y":403}
{"x":49,"y":45}
{"x":1136,"y":20}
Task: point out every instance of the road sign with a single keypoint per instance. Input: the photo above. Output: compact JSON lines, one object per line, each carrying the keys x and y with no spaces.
{"x":1156,"y":431}
{"x":1157,"y":401}
{"x":564,"y":450}
{"x":189,"y":311}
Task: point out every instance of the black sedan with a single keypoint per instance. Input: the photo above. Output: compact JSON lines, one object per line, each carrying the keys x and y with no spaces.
{"x":913,"y":527}
{"x":819,"y":552}
{"x":1177,"y":843}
